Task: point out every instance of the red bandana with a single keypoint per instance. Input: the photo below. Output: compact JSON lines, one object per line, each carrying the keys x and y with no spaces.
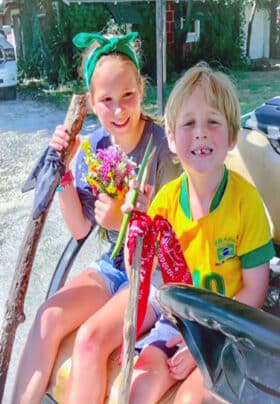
{"x":171,"y":259}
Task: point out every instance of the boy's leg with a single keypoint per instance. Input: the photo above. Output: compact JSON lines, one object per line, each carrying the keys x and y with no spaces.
{"x":151,"y":377}
{"x":193,"y":391}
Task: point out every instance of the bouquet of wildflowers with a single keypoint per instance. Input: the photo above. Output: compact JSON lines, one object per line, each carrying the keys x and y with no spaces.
{"x":109,"y":170}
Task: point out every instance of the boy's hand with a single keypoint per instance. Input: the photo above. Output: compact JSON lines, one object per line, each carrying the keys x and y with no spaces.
{"x":143,"y":198}
{"x":60,"y":141}
{"x":182,"y":362}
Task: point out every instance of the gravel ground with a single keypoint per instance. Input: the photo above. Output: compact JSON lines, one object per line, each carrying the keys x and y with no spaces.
{"x":25,"y":130}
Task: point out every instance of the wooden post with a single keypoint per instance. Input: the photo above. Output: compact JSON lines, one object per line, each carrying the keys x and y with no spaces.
{"x":14,"y":314}
{"x":130,"y":324}
{"x":161,"y":53}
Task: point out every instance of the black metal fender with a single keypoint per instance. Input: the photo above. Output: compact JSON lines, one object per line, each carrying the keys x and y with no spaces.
{"x":236,"y":347}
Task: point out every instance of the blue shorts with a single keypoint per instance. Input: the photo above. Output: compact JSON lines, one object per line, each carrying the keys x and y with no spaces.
{"x":117,"y":280}
{"x":162,"y":331}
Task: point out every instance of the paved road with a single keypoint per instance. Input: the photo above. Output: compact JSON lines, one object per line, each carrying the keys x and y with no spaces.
{"x":25,"y":131}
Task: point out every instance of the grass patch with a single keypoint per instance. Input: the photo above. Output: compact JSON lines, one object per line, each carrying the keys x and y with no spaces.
{"x":60,"y":96}
{"x":254,"y":88}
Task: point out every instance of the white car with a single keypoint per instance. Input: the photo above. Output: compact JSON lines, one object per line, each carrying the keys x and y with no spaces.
{"x":8,"y":69}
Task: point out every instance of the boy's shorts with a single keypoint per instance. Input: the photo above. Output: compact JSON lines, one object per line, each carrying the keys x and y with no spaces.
{"x":162,"y":332}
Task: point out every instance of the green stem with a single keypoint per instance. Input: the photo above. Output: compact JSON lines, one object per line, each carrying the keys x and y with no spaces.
{"x":134,"y":195}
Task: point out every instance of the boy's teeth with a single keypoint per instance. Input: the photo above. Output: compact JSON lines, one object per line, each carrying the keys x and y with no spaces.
{"x":204,"y":150}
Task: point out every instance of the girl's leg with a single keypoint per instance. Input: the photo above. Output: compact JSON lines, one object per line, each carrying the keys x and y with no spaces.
{"x":192,"y":391}
{"x":151,"y":377}
{"x":95,"y":341}
{"x":57,"y":317}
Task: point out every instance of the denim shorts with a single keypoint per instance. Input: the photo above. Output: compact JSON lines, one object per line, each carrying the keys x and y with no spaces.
{"x":117,"y":280}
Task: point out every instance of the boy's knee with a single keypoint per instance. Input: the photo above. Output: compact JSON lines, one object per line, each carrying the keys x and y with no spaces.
{"x":151,"y":359}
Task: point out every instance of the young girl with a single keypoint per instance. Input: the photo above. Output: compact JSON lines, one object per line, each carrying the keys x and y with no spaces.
{"x":94,"y":302}
{"x":219,"y":220}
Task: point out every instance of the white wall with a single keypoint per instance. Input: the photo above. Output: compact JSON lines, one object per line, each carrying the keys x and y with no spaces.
{"x":259,"y":47}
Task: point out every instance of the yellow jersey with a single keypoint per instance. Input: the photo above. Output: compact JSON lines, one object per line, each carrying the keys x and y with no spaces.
{"x":233,"y":236}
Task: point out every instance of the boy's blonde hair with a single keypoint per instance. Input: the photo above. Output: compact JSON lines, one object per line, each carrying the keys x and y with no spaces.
{"x":219,"y":93}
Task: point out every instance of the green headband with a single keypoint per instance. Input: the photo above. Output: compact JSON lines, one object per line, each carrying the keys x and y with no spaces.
{"x":119,"y":44}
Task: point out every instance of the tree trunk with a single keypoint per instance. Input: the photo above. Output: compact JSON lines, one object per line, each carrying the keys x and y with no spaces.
{"x":250,"y":25}
{"x":273,"y":30}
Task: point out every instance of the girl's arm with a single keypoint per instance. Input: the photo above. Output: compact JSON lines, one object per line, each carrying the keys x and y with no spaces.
{"x":78,"y":224}
{"x":255,"y":287}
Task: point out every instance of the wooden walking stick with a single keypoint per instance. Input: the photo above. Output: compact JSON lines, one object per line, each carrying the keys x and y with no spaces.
{"x":130,"y":321}
{"x":14,"y":314}
{"x":130,"y":324}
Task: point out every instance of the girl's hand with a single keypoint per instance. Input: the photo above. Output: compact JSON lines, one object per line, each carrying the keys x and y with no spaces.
{"x":143,"y":198}
{"x":108,"y":212}
{"x":60,"y":141}
{"x":182,"y":362}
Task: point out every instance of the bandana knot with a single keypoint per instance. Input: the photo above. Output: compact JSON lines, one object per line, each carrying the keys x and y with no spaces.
{"x":121,"y":44}
{"x":170,"y":256}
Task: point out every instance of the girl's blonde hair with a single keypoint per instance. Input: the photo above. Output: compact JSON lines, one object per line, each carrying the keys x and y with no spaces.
{"x":219,"y":93}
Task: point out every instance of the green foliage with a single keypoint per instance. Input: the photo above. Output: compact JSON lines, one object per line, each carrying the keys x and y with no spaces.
{"x":147,"y":32}
{"x":221,"y":40}
{"x":48,"y":30}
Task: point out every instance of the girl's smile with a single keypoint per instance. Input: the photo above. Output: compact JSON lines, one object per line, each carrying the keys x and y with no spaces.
{"x":116,"y":96}
{"x":121,"y":124}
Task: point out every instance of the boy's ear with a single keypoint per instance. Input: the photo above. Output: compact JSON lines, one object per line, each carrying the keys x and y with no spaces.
{"x":232,"y":144}
{"x":171,"y":142}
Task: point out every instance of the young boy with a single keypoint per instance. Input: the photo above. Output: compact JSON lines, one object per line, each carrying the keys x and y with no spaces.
{"x":218,"y":217}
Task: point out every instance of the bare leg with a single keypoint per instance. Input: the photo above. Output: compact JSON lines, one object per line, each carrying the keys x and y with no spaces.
{"x":193,"y":391}
{"x":57,"y":317}
{"x":151,"y":377}
{"x":95,"y":341}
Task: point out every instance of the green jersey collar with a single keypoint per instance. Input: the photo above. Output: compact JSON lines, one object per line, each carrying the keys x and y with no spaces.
{"x":185,"y":200}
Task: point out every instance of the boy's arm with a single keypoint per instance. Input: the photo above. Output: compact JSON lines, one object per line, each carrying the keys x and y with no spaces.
{"x":255,"y":281}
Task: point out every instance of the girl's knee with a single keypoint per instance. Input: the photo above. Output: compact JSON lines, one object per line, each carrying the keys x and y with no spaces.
{"x":90,"y":339}
{"x":47,"y":322}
